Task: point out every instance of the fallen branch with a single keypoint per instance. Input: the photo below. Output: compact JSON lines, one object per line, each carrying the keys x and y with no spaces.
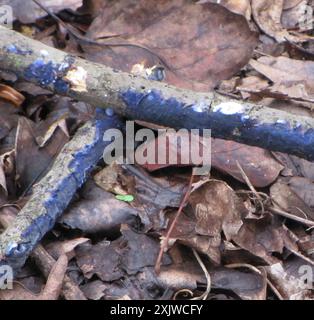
{"x":54,"y":192}
{"x":45,"y":262}
{"x":151,"y":101}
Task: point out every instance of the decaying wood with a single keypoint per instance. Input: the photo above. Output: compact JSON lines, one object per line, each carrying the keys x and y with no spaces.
{"x":155,"y":102}
{"x":45,"y":262}
{"x":54,"y":192}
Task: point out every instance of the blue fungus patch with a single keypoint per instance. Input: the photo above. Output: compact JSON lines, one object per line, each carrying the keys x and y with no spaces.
{"x":61,"y":86}
{"x":43,"y":73}
{"x":16,"y":249}
{"x":61,"y":194}
{"x":151,"y":106}
{"x":283,"y":136}
{"x":14,"y":49}
{"x":109,"y":112}
{"x":49,"y":73}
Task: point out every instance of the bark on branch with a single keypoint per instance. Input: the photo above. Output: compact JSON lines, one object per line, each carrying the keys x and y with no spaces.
{"x":54,"y":192}
{"x":137,"y":98}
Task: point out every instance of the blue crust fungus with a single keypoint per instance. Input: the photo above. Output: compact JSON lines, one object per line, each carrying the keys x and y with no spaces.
{"x":50,"y":73}
{"x":232,"y":120}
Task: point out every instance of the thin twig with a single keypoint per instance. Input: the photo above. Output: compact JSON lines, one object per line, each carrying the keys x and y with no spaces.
{"x":164,"y":245}
{"x":250,"y":185}
{"x":275,"y":290}
{"x":291,"y":216}
{"x":207,"y":275}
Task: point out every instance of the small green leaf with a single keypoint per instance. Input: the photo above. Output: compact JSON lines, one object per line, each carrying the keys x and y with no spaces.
{"x":125,"y":197}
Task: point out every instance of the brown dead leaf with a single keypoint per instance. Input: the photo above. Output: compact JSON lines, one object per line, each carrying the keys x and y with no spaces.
{"x":184,"y":233}
{"x":247,"y":285}
{"x":151,"y":195}
{"x":215,"y":208}
{"x":267,"y":14}
{"x":141,"y":251}
{"x":304,"y":168}
{"x":8,"y":118}
{"x":102,"y":259}
{"x":263,"y":238}
{"x":187,"y":274}
{"x":3,"y":183}
{"x":252,"y":84}
{"x":202,"y":44}
{"x":258,"y":164}
{"x":98,"y":211}
{"x":27,"y":151}
{"x":108,"y":179}
{"x":58,"y":248}
{"x":294,"y":196}
{"x":304,"y":188}
{"x":292,"y":78}
{"x":111,"y":261}
{"x":11,"y":95}
{"x":242,"y":7}
{"x":94,"y":290}
{"x":54,"y":282}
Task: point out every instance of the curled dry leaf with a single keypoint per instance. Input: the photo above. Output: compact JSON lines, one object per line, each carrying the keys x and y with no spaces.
{"x":59,"y":248}
{"x":27,"y":151}
{"x":11,"y":95}
{"x":294,"y":196}
{"x":54,"y":283}
{"x":267,"y":14}
{"x":215,"y":208}
{"x":264,"y":237}
{"x":292,"y":78}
